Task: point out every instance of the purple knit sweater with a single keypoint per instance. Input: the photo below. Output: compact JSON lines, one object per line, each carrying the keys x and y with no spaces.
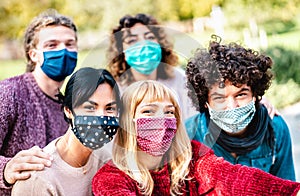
{"x":28,"y":117}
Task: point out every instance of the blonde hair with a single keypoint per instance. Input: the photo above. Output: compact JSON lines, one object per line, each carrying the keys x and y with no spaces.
{"x":125,"y":149}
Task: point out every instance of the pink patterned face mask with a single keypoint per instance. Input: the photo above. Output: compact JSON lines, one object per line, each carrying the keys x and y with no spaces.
{"x":154,"y":135}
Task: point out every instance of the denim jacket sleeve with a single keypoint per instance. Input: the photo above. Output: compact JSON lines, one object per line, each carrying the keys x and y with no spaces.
{"x":283,"y":166}
{"x":196,"y":127}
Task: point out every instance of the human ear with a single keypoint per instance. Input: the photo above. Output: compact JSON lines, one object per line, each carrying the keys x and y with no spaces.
{"x":68,"y":113}
{"x":33,"y":55}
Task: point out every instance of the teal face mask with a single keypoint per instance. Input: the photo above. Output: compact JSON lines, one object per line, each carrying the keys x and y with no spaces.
{"x":144,"y":56}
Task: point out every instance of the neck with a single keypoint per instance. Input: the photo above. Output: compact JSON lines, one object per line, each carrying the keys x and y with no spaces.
{"x":47,"y":85}
{"x":151,"y":162}
{"x":72,"y":151}
{"x":138,"y":76}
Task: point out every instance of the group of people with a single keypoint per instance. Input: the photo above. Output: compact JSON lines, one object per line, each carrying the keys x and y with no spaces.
{"x":144,"y":126}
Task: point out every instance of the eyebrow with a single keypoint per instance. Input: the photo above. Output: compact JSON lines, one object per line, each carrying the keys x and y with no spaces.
{"x":242,"y":90}
{"x":156,"y":105}
{"x":135,"y":35}
{"x":55,"y":41}
{"x":96,"y":104}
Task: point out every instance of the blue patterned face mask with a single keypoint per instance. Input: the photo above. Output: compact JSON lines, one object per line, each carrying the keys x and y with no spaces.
{"x":144,"y":56}
{"x":59,"y":64}
{"x":95,"y":131}
{"x":234,"y":120}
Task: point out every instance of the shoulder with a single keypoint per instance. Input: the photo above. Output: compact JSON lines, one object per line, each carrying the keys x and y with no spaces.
{"x":279,"y":123}
{"x":50,"y":148}
{"x":280,"y":128}
{"x":194,"y":120}
{"x":110,"y":180}
{"x":179,"y":73}
{"x":11,"y":84}
{"x":112,"y":170}
{"x":196,"y":125}
{"x":35,"y":185}
{"x":199,"y":149}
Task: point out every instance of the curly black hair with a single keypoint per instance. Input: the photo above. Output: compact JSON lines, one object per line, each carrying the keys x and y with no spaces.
{"x":221,"y":63}
{"x":116,"y":59}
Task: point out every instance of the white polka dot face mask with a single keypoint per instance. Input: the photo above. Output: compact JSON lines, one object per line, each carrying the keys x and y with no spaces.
{"x":95,"y":131}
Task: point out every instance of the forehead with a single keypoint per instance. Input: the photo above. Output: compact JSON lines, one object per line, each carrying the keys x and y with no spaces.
{"x":228,"y":89}
{"x":161,"y":103}
{"x":136,"y":29}
{"x":103,"y":92}
{"x":59,"y":33}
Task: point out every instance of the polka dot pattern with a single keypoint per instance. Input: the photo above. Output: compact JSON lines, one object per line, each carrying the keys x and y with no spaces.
{"x":95,"y":131}
{"x":155,"y":135}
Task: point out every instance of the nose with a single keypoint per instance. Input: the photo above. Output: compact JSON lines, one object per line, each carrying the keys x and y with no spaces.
{"x":160,"y":113}
{"x":61,"y":46}
{"x":232,"y":103}
{"x":100,"y":112}
{"x":141,"y":38}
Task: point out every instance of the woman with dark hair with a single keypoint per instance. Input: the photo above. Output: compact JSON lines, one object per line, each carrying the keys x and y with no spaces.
{"x":227,"y":83}
{"x":91,"y":108}
{"x":153,"y":155}
{"x":139,"y":50}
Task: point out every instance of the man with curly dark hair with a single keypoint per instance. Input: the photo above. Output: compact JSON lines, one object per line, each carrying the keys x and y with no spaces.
{"x":226,"y":84}
{"x":140,"y":50}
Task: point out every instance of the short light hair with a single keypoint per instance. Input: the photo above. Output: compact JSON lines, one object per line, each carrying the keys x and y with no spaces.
{"x":48,"y":18}
{"x":125,"y":149}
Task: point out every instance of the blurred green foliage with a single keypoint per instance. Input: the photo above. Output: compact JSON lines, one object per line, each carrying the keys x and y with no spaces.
{"x":95,"y":14}
{"x":286,"y":64}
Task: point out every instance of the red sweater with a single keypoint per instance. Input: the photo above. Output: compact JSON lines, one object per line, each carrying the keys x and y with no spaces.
{"x":211,"y":175}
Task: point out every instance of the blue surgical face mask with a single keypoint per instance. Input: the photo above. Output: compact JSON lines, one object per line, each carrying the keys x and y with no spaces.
{"x":234,"y":120}
{"x":59,"y":64}
{"x":144,"y":56}
{"x":95,"y":131}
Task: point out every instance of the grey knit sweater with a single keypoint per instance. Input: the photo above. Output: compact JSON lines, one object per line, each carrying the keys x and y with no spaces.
{"x":28,"y":117}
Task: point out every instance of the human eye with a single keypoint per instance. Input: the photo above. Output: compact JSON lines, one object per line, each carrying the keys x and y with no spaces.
{"x":218,"y":99}
{"x":130,"y":40}
{"x":149,"y":36}
{"x":111,"y":109}
{"x":71,"y":44}
{"x":50,"y":45}
{"x":89,"y":108}
{"x":243,"y":95}
{"x":148,"y":111}
{"x":170,"y":113}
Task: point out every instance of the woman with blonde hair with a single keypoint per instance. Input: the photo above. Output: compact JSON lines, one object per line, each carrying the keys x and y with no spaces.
{"x":152,"y":155}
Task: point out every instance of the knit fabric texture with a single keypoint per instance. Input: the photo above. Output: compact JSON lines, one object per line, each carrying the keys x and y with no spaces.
{"x":211,"y":175}
{"x":61,"y":178}
{"x":28,"y":117}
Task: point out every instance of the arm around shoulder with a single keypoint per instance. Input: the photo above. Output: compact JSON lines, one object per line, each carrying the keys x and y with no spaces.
{"x":283,"y":166}
{"x":34,"y":186}
{"x":214,"y":173}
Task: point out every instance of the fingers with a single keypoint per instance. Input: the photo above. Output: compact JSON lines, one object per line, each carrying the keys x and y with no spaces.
{"x":24,"y":162}
{"x":272,"y":111}
{"x":34,"y":155}
{"x":13,"y":177}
